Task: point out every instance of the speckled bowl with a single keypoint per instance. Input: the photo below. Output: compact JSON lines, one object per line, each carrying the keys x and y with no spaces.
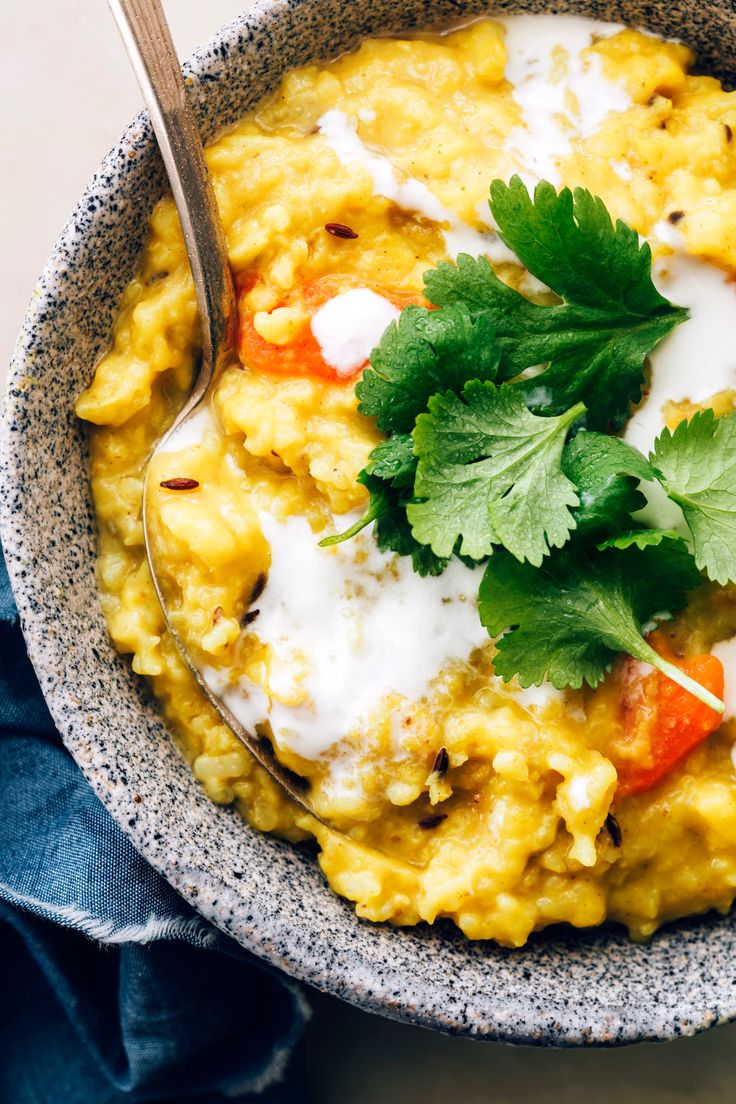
{"x":568,"y":988}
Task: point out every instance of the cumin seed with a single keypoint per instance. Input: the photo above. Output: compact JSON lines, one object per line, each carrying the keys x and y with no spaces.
{"x":180,"y":483}
{"x":250,"y":617}
{"x":258,"y":588}
{"x":729,"y":132}
{"x":433,"y":820}
{"x":614,"y":830}
{"x":339,"y":230}
{"x":217,"y":615}
{"x":675,"y":216}
{"x":442,"y":762}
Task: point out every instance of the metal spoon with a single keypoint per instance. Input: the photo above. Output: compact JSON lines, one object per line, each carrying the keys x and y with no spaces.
{"x":147,"y":40}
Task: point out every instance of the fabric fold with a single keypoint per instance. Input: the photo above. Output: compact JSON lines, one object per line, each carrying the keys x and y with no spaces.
{"x":114,"y":988}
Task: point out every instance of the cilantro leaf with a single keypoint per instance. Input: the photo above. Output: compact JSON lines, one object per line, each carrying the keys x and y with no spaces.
{"x":568,"y":620}
{"x":489,"y":473}
{"x":569,"y":241}
{"x":424,"y":352}
{"x":394,"y":460}
{"x":698,"y":466}
{"x":605,"y":471}
{"x":391,"y":468}
{"x":393,"y":534}
{"x":595,"y":342}
{"x":639,"y":538}
{"x":389,"y":477}
{"x":380,"y":503}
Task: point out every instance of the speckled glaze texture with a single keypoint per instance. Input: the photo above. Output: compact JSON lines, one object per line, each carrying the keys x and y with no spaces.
{"x":563,"y":989}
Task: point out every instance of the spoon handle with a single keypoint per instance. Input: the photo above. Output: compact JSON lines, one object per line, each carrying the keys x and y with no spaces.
{"x":147,"y":39}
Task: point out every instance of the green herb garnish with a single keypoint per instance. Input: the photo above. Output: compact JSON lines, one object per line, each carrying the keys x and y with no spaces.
{"x":490,"y":473}
{"x":595,"y":341}
{"x":421,"y":354}
{"x":606,"y":473}
{"x":574,"y":615}
{"x":389,"y":480}
{"x":698,"y":466}
{"x":485,"y":460}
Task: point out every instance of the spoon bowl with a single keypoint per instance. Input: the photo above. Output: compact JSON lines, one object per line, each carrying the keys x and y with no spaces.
{"x":147,"y":39}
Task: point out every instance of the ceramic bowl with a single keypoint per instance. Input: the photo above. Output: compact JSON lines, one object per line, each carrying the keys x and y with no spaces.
{"x":564,"y":988}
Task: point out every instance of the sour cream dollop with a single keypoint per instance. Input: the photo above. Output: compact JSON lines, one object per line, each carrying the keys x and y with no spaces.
{"x":556,"y":106}
{"x":349,"y":326}
{"x":347,"y":627}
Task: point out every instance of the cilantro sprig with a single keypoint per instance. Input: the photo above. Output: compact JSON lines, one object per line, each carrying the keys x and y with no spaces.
{"x":389,"y":479}
{"x":499,"y":413}
{"x":572,"y":617}
{"x":595,"y":341}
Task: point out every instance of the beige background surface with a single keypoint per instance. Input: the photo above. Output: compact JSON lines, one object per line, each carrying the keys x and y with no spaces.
{"x":65,"y":93}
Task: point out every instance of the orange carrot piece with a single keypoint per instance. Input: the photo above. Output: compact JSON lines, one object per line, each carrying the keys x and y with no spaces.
{"x":302,"y":356}
{"x":669,"y":718}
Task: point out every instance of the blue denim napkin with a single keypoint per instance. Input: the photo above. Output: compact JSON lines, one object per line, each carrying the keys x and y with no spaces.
{"x":112,"y":988}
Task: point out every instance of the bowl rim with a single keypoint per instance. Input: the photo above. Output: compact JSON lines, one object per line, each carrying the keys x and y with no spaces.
{"x":381,"y":995}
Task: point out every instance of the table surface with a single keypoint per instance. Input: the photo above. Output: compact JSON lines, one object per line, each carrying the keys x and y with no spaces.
{"x":66,"y":91}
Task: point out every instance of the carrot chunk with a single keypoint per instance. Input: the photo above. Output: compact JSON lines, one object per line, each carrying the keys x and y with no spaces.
{"x":302,"y":356}
{"x":663,"y":721}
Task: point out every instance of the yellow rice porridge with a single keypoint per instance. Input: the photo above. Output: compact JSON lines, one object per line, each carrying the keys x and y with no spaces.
{"x":452,"y":793}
